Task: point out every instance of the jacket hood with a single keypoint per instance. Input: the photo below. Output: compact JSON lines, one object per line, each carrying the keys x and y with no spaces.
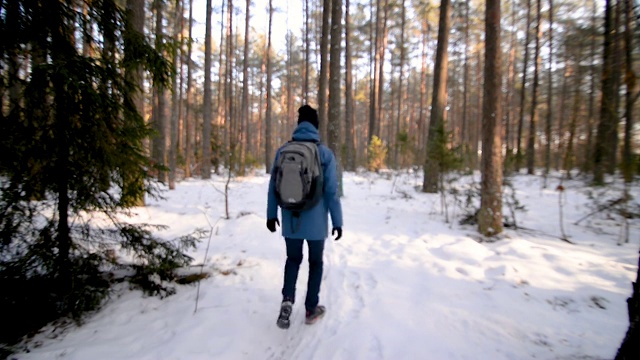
{"x":305,"y":131}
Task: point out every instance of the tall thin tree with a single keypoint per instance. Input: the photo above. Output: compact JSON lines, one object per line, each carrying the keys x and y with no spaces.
{"x":323,"y":80}
{"x":533,"y":117}
{"x":335,"y":93}
{"x":159,"y":141}
{"x":205,"y":166}
{"x":525,"y":68}
{"x":436,"y":137}
{"x":269,"y":126}
{"x":490,"y":214}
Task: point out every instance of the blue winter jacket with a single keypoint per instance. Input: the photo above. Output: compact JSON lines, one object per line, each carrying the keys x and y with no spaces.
{"x":312,"y":224}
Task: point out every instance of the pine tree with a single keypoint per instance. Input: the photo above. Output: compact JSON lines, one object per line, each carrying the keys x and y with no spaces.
{"x":75,"y":138}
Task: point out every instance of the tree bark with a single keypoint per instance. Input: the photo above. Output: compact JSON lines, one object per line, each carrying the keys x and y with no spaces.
{"x":323,"y":80}
{"x":608,"y":113}
{"x":490,"y":214}
{"x":268,"y":127}
{"x":159,"y":141}
{"x":205,"y":168}
{"x":135,"y":25}
{"x":435,"y":139}
{"x":525,"y":66}
{"x":533,"y":121}
{"x":189,"y":122}
{"x":334,"y":121}
{"x":175,"y":100}
{"x":350,"y":163}
{"x":244,"y":108}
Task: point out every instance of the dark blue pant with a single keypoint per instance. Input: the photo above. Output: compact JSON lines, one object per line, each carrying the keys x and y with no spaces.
{"x":292,"y":267}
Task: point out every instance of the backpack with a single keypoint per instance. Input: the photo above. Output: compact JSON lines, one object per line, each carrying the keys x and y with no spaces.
{"x":299,"y":178}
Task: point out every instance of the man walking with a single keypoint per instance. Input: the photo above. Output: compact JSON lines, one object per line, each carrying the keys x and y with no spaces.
{"x":309,"y":223}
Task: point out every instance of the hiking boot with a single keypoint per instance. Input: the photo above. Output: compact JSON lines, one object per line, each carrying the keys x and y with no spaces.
{"x":315,"y":315}
{"x":285,"y":312}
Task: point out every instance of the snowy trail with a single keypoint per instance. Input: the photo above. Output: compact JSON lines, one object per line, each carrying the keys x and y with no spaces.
{"x":400,"y":284}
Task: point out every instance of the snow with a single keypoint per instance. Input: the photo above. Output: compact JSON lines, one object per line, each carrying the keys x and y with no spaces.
{"x":401,"y":283}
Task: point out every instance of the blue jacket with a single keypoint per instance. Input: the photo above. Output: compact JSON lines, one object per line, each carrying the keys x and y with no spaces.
{"x":312,"y":224}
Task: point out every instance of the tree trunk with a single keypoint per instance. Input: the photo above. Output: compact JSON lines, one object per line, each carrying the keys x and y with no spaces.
{"x":464,"y":136}
{"x":573,"y":124}
{"x":630,"y":84}
{"x":205,"y":168}
{"x":533,"y":121}
{"x":244,"y":108}
{"x":218,"y":133}
{"x":230,"y":128}
{"x":135,"y":25}
{"x":588,"y":160}
{"x":374,"y":125}
{"x":307,"y":54}
{"x":435,"y":139}
{"x":400,"y":104}
{"x":350,"y":163}
{"x":175,"y":100}
{"x":323,"y":80}
{"x":525,"y":67}
{"x":190,"y":126}
{"x":549,"y":120}
{"x":268,"y":127}
{"x":608,"y":112}
{"x":159,"y":141}
{"x":508,"y":102}
{"x":490,"y":214}
{"x":334,"y":121}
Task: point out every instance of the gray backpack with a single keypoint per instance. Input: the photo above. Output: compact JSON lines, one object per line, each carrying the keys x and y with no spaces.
{"x":299,"y":179}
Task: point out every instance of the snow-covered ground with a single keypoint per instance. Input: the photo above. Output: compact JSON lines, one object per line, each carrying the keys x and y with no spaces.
{"x":401,"y":283}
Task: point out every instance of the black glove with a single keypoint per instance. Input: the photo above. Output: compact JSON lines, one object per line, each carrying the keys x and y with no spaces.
{"x":339,"y":230}
{"x":271,"y":224}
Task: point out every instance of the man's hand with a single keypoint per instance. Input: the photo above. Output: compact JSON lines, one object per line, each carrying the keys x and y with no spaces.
{"x":339,"y":231}
{"x":271,"y":224}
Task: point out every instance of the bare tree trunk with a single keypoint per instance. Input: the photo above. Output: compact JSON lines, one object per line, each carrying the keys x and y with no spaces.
{"x":374,"y":125}
{"x":525,"y":66}
{"x":135,"y":25}
{"x":508,"y":102}
{"x":568,"y":155}
{"x":230,"y":131}
{"x":323,"y":80}
{"x":159,"y":144}
{"x":175,"y":100}
{"x":547,"y":154}
{"x":464,"y":136}
{"x":630,"y":82}
{"x":244,"y":108}
{"x":400,"y":103}
{"x":307,"y":54}
{"x":268,"y":128}
{"x":608,"y":113}
{"x":588,"y":159}
{"x":335,"y":119}
{"x":435,"y":144}
{"x":190,"y":126}
{"x":380,"y":77}
{"x":218,"y":132}
{"x":205,"y":168}
{"x":490,"y":214}
{"x":350,"y":163}
{"x":533,"y":121}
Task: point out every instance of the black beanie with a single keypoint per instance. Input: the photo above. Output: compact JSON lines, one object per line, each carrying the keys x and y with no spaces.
{"x":308,"y":114}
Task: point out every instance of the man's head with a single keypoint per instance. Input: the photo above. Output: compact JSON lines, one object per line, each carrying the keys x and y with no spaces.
{"x":308,"y":114}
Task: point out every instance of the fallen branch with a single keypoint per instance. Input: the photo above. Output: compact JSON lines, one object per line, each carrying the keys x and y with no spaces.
{"x":602,"y":208}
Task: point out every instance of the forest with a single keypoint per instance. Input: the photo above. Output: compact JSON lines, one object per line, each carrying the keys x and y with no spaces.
{"x":102,"y":100}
